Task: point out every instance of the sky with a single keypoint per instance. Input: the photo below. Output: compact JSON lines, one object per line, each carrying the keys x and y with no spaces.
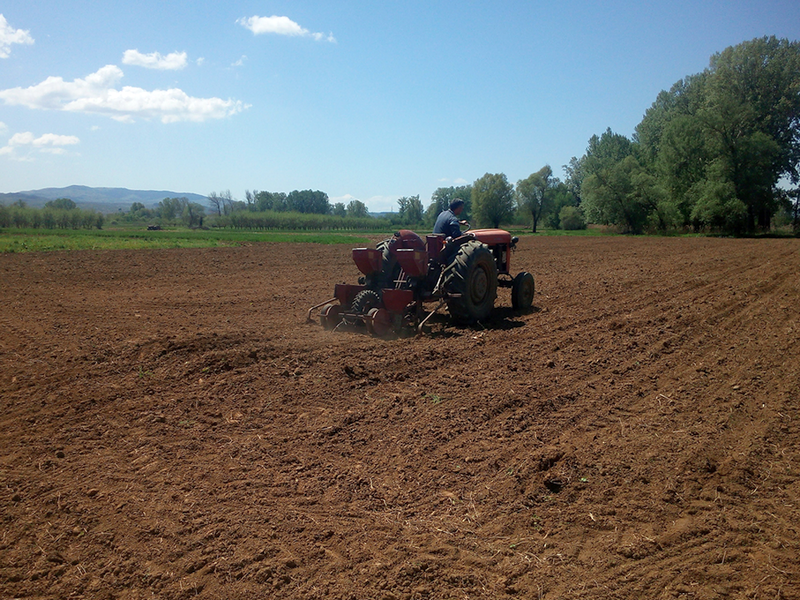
{"x":359,"y":99}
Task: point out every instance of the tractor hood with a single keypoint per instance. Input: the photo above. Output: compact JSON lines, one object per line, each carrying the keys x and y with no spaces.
{"x":491,"y":237}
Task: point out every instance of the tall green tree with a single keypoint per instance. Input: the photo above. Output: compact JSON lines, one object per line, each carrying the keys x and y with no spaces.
{"x":535,"y":193}
{"x":492,"y":199}
{"x":228,"y":202}
{"x":562,"y":197}
{"x":720,"y":141}
{"x":263,"y":201}
{"x":685,"y":98}
{"x":169,"y":209}
{"x":357,"y":209}
{"x":193,"y":214}
{"x":409,"y":210}
{"x":607,"y":189}
{"x":758,"y":83}
{"x":308,"y":201}
{"x":753,"y":119}
{"x":682,"y":162}
{"x":216,"y":202}
{"x":138,"y":212}
{"x":61,"y":204}
{"x":573,"y":178}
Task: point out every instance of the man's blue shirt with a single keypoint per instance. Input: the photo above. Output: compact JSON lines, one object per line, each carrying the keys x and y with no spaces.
{"x":447,"y":224}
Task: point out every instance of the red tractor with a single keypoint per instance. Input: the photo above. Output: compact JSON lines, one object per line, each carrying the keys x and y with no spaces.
{"x":403,"y":272}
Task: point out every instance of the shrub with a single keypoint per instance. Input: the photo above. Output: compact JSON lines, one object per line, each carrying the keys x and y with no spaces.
{"x":571,"y":218}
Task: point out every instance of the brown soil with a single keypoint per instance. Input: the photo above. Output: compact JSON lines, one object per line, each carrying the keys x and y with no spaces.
{"x":172,"y":428}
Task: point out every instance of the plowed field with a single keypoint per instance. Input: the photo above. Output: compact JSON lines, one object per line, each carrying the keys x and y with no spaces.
{"x":172,"y":428}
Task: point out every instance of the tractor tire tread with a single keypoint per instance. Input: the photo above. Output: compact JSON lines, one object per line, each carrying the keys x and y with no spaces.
{"x":463,"y":272}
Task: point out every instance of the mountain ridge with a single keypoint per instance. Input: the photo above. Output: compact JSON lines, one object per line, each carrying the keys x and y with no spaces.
{"x":104,"y":199}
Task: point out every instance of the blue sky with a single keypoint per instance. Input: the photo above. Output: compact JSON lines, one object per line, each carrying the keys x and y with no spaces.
{"x":360,"y":99}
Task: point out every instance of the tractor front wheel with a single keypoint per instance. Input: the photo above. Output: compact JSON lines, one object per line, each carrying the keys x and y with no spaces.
{"x":522,"y":290}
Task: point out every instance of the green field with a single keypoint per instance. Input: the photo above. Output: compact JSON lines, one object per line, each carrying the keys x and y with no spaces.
{"x":41,"y":240}
{"x":135,"y":237}
{"x":38,"y":240}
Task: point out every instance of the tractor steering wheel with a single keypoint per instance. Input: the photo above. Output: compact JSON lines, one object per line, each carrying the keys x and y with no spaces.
{"x":466,"y":226}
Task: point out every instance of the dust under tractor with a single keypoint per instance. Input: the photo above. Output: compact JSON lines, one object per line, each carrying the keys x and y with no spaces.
{"x":403,"y":273}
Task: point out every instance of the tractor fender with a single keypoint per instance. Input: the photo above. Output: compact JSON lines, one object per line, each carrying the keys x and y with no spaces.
{"x":405,"y":239}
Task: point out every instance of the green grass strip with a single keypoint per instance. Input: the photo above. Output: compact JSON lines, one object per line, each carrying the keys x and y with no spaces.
{"x":32,"y":240}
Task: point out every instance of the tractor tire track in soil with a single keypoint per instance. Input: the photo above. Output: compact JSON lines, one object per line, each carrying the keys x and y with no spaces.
{"x":172,"y":428}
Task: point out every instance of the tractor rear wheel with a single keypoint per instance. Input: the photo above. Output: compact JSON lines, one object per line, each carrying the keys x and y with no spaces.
{"x":390,"y":268}
{"x":472,"y":279}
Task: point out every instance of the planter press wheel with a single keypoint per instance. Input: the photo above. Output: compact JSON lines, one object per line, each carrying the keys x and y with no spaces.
{"x":379,"y":322}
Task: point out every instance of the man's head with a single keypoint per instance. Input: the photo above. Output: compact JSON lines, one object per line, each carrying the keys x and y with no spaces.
{"x":456,"y":206}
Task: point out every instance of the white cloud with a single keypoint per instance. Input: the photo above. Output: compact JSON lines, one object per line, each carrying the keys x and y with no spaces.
{"x":52,"y":139}
{"x":278,"y":25}
{"x":3,"y":127}
{"x":97,"y":94}
{"x":171,"y":62}
{"x":281,"y":26}
{"x":321,"y":37}
{"x":200,"y":61}
{"x":9,"y":35}
{"x":49,"y":143}
{"x":239,"y":62}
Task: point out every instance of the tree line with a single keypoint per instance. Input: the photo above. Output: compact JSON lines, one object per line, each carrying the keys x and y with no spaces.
{"x":169,"y":211}
{"x":719,"y":151}
{"x":299,"y":209}
{"x":61,"y":213}
{"x":490,"y":200}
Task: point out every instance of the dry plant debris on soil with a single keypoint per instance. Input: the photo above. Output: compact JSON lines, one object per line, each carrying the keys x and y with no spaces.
{"x":171,"y":428}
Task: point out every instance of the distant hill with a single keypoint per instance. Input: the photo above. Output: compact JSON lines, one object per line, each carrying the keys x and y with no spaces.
{"x":105,"y":200}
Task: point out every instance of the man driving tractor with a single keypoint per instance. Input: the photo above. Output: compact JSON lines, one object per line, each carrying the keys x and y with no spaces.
{"x":447,"y":223}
